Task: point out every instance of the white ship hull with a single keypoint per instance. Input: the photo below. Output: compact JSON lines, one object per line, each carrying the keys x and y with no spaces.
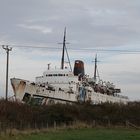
{"x":26,"y":91}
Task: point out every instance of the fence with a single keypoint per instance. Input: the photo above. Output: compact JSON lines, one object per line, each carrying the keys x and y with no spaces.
{"x":10,"y":127}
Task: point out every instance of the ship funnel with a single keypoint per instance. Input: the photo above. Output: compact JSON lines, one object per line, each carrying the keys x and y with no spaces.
{"x":79,"y":68}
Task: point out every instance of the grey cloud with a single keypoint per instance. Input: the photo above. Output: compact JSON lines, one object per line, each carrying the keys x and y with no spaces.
{"x":127,"y":77}
{"x":107,"y":23}
{"x":90,"y":24}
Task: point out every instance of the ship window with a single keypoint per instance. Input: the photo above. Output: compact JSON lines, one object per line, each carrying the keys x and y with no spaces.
{"x":60,"y":74}
{"x":37,"y":100}
{"x":26,"y":97}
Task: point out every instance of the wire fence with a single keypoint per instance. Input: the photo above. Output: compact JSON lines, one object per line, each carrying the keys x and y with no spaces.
{"x":9,"y":128}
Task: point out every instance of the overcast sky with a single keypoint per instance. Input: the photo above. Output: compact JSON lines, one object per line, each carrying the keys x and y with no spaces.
{"x":91,"y":25}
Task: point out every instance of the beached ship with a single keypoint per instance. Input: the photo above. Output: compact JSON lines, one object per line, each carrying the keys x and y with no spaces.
{"x":66,"y":86}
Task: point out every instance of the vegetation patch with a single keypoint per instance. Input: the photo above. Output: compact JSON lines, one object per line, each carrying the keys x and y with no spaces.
{"x":81,"y":134}
{"x":15,"y":115}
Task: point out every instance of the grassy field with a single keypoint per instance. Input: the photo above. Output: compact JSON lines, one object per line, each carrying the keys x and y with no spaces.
{"x":80,"y":134}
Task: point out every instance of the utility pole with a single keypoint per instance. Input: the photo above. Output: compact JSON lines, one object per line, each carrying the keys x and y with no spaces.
{"x":95,"y":68}
{"x":7,"y":49}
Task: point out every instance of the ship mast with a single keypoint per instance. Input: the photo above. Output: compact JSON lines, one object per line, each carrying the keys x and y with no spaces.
{"x":63,"y":52}
{"x":64,"y":44}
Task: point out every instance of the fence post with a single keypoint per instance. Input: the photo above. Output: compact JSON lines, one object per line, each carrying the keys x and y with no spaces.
{"x":54,"y":124}
{"x":28,"y":125}
{"x":93,"y":123}
{"x":42,"y":125}
{"x":109,"y":123}
{"x":20,"y":127}
{"x":64,"y":124}
{"x":35,"y":125}
{"x":0,"y":129}
{"x":47,"y":125}
{"x":5,"y":128}
{"x":126,"y":124}
{"x":10,"y":131}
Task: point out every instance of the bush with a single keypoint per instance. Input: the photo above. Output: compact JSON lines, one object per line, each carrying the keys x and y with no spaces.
{"x":16,"y":112}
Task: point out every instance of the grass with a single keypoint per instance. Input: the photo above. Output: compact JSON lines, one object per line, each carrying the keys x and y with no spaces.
{"x":80,"y":134}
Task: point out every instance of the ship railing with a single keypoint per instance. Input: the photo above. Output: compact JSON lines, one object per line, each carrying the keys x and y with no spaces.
{"x":120,"y":96}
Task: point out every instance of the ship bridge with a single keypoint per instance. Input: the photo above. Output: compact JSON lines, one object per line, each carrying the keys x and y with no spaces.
{"x":59,"y":78}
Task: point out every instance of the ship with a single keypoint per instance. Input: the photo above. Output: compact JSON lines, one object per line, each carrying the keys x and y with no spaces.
{"x":67,"y":86}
